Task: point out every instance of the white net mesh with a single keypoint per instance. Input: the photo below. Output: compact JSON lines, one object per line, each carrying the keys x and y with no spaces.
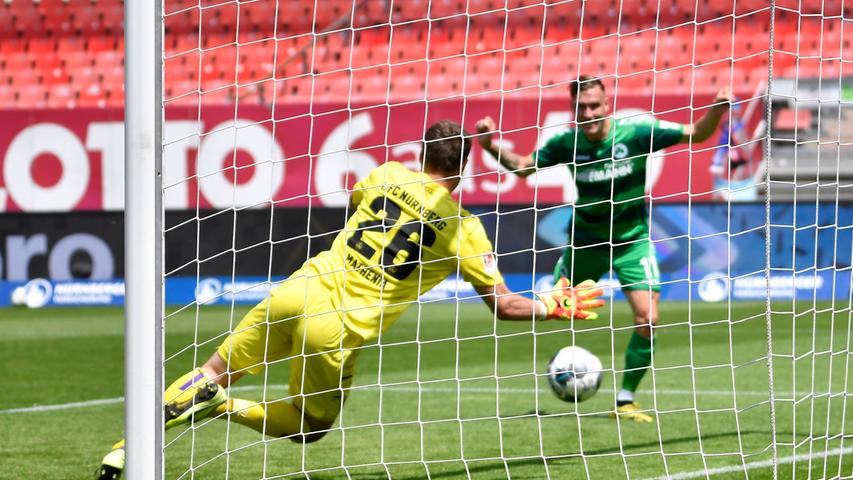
{"x":275,"y":109}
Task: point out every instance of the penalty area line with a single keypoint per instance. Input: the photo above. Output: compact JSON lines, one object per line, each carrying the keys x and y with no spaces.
{"x":387,"y":388}
{"x":756,"y":465}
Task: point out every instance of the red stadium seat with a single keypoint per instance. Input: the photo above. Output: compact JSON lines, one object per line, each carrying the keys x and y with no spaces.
{"x":518,"y":80}
{"x":560,"y":63}
{"x":258,"y":16}
{"x":8,"y":29}
{"x":29,"y":22}
{"x":115,"y":96}
{"x":114,"y":19}
{"x":28,"y":76}
{"x":42,"y":45}
{"x":442,"y":86}
{"x":442,"y":44}
{"x":636,"y":53}
{"x":66,"y":45}
{"x":101,"y":43}
{"x":31,"y":96}
{"x":489,"y":65}
{"x":76,"y":60}
{"x":186,"y":43}
{"x":484,"y":39}
{"x":707,"y":80}
{"x":61,"y":96}
{"x":108,"y":59}
{"x":92,"y":96}
{"x":7,"y":97}
{"x":57,"y":21}
{"x":294,"y":90}
{"x":87,"y":21}
{"x":218,"y":96}
{"x":738,"y":78}
{"x":444,"y":8}
{"x":182,"y":68}
{"x":14,"y":62}
{"x":674,"y":50}
{"x":373,"y":89}
{"x":112,"y":78}
{"x":182,"y":22}
{"x":407,"y":45}
{"x":46,"y":61}
{"x":177,"y":89}
{"x":832,"y":44}
{"x":54,"y":76}
{"x":171,"y":6}
{"x":407,"y":89}
{"x":83,"y":78}
{"x":636,"y":84}
{"x":219,"y":19}
{"x":13,"y":45}
{"x":403,"y":11}
{"x":672,"y":82}
{"x":453,"y":68}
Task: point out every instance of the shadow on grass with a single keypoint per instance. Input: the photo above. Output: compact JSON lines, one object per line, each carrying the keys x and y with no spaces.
{"x":499,"y":469}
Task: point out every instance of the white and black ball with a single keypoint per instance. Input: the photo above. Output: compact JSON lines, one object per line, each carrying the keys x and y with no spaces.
{"x":574,"y":374}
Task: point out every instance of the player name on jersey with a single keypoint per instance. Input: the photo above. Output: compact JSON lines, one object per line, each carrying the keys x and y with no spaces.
{"x":412,"y":202}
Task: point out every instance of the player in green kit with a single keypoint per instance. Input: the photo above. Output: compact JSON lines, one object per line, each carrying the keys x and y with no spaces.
{"x":610,"y":226}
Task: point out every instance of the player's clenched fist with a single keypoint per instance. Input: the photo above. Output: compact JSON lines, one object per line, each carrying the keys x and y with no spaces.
{"x":724,"y":98}
{"x":566,"y":302}
{"x":485,"y":128}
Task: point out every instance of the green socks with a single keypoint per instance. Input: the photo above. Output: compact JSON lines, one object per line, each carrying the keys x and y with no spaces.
{"x":638,"y":358}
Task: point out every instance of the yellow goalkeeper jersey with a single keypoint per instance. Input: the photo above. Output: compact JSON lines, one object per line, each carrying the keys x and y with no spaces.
{"x":405,"y":236}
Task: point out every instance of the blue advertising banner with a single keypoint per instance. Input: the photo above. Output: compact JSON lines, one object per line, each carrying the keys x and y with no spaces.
{"x":706,"y":252}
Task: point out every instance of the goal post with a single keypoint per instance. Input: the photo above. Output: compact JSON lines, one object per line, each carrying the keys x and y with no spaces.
{"x":143,"y":233}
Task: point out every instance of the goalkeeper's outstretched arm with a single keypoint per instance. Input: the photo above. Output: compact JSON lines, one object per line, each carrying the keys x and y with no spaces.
{"x":563,"y":302}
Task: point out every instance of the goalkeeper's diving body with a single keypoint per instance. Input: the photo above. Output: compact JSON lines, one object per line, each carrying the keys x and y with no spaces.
{"x":610,"y":225}
{"x":406,"y":234}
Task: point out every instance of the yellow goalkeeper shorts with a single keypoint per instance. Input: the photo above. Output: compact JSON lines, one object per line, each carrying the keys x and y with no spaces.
{"x":298,"y":322}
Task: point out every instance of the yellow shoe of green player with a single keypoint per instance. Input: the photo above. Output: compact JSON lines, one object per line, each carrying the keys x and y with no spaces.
{"x":192,"y":397}
{"x":113,"y":463}
{"x":631,"y":411}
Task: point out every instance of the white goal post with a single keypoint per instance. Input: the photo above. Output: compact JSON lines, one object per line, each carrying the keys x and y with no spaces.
{"x":143,"y":232}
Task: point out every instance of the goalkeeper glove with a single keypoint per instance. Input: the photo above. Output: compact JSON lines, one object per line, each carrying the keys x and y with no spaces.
{"x":565,"y":302}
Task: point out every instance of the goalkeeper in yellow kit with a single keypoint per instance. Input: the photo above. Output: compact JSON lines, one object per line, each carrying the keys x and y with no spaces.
{"x":406,"y":234}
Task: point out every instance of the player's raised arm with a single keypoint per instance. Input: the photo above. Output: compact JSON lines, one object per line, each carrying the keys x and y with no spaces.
{"x":564,"y":302}
{"x":705,"y":127}
{"x":521,"y":165}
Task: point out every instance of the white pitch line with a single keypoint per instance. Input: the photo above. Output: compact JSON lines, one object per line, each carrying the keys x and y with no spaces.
{"x":394,"y":388}
{"x":755,"y":465}
{"x":64,"y":406}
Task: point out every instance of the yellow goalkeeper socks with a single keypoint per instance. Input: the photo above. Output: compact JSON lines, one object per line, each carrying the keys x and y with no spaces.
{"x":276,"y":419}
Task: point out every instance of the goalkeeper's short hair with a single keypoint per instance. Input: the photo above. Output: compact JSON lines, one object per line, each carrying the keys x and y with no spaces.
{"x":445,"y":148}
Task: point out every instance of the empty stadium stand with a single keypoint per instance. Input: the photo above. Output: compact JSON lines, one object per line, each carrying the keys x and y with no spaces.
{"x":70,"y":53}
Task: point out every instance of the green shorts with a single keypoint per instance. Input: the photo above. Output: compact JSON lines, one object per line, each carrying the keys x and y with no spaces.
{"x":635,"y":264}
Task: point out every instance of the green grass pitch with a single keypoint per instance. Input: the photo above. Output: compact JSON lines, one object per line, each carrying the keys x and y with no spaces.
{"x":462,"y":399}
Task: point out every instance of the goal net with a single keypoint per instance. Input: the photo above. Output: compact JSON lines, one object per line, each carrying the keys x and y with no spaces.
{"x":274,"y":110}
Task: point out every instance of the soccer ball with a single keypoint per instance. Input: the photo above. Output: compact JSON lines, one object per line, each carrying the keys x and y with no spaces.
{"x":574,"y":374}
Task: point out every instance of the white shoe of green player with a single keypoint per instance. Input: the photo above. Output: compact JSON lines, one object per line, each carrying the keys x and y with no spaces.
{"x":112,"y":465}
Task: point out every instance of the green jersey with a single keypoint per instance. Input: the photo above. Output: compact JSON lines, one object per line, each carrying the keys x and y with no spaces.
{"x":610,"y":176}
